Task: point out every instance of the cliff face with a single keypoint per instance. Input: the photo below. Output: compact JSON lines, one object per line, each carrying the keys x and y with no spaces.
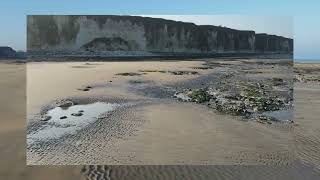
{"x":272,"y":43}
{"x":152,"y":35}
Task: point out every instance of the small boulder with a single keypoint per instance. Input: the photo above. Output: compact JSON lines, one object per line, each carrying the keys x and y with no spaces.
{"x":77,"y":114}
{"x":64,"y":103}
{"x":45,"y":118}
{"x":63,"y":117}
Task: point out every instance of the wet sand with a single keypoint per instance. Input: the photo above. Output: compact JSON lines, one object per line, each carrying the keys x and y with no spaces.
{"x":13,"y":132}
{"x":196,"y":135}
{"x":13,"y":147}
{"x":49,"y":81}
{"x":307,"y":103}
{"x":155,"y":131}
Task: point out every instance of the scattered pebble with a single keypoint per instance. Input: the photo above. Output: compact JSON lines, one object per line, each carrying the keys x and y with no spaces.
{"x":45,"y":118}
{"x":64,"y":103}
{"x":183,"y":72}
{"x":76,"y":114}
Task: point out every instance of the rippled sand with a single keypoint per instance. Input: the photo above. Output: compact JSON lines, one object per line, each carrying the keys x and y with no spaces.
{"x":49,"y":81}
{"x":12,"y":131}
{"x":12,"y":146}
{"x":307,"y":103}
{"x":161,"y":132}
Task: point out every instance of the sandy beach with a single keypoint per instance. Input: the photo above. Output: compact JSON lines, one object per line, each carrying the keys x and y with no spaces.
{"x":13,"y":131}
{"x":146,"y":125}
{"x":13,"y":136}
{"x":307,"y":101}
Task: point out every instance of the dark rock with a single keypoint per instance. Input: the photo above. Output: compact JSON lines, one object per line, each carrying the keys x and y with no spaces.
{"x":84,"y":89}
{"x":63,"y":117}
{"x":7,"y":52}
{"x":45,"y":118}
{"x":77,"y":114}
{"x":203,"y":68}
{"x":183,"y":72}
{"x":64,"y":103}
{"x":278,"y":81}
{"x":129,"y":74}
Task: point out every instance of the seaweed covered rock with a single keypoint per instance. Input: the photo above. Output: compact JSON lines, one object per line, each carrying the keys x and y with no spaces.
{"x":195,"y":95}
{"x":199,"y":96}
{"x":256,"y":98}
{"x":234,"y":107}
{"x":235,"y":97}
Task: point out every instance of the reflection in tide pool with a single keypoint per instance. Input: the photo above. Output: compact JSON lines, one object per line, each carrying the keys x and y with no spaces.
{"x":67,"y":121}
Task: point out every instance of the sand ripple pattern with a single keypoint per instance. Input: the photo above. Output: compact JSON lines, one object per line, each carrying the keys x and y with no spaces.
{"x":85,"y":147}
{"x":296,"y":171}
{"x":281,"y":158}
{"x":307,"y":133}
{"x":308,"y":147}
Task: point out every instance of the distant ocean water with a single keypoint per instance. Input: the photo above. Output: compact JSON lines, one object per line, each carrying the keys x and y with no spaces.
{"x":307,"y":60}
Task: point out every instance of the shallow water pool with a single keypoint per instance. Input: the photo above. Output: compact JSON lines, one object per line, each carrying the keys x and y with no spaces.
{"x":62,"y":122}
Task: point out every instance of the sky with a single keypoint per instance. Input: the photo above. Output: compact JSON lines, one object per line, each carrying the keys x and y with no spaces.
{"x":271,"y":16}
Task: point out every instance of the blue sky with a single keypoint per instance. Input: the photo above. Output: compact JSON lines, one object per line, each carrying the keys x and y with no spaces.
{"x":306,"y":23}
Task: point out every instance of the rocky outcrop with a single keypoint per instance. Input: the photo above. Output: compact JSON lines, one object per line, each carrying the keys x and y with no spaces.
{"x":7,"y":52}
{"x":64,"y":34}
